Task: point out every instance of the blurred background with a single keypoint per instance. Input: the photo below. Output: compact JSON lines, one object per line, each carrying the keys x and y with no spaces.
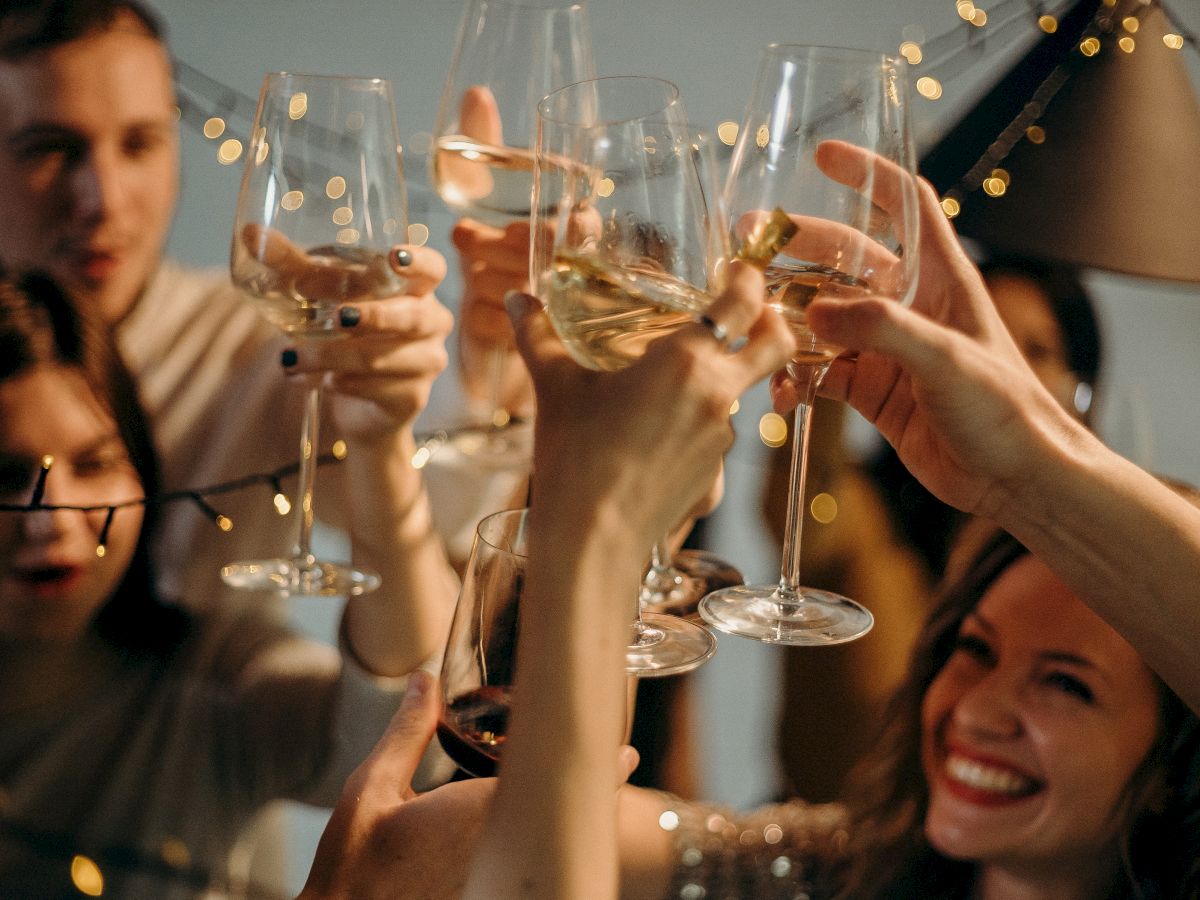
{"x":1151,"y":402}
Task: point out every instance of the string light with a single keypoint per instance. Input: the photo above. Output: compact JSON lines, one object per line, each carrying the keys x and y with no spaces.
{"x":196,"y":496}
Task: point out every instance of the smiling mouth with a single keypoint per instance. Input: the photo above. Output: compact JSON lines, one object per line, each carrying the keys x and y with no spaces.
{"x":50,"y":579}
{"x":981,"y":781}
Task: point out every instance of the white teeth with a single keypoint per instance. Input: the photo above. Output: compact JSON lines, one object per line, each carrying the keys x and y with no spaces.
{"x":986,"y":778}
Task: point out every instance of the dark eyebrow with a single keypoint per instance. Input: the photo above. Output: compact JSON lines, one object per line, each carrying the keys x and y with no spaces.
{"x":1052,"y":656}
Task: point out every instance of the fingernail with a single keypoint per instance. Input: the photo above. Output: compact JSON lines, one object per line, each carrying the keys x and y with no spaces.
{"x":402,"y":257}
{"x":419,"y":682}
{"x":289,"y":357}
{"x":349,"y":316}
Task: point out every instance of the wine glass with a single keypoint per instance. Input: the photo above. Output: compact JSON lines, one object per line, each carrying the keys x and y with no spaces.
{"x":481,"y":650}
{"x":322,"y":200}
{"x":509,"y":54}
{"x":844,"y":241}
{"x":637,"y":251}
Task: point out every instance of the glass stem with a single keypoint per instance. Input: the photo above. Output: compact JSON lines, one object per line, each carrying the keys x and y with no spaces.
{"x":807,"y":378}
{"x":641,"y":634}
{"x":309,"y":434}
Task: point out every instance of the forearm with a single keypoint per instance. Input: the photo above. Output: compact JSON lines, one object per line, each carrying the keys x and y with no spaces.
{"x":404,"y":623}
{"x":552,"y":831}
{"x":1125,"y":542}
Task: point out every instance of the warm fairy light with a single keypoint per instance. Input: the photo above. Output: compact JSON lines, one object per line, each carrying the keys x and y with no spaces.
{"x":283,"y":505}
{"x":390,"y":225}
{"x":727,"y":133}
{"x":39,"y":489}
{"x":605,"y":187}
{"x":175,"y":853}
{"x":762,"y":137}
{"x":772,"y":429}
{"x":1173,"y":41}
{"x":1127,"y":44}
{"x":421,"y":458}
{"x":966,"y":9}
{"x":1089,"y":46}
{"x":668,"y":820}
{"x":824,"y":508}
{"x":1130,"y":24}
{"x":348,"y":236}
{"x":1036,"y":134}
{"x":994,"y":187}
{"x":911,"y":51}
{"x":355,"y":121}
{"x":929,"y":88}
{"x":1048,"y":23}
{"x":651,"y":144}
{"x":101,"y":551}
{"x":298,"y":106}
{"x":261,"y":156}
{"x":214,"y":127}
{"x":500,"y":417}
{"x":772,"y":834}
{"x":979,"y":18}
{"x":343,"y":215}
{"x":951,"y":207}
{"x":418,"y":234}
{"x":292,"y":200}
{"x":339,"y":449}
{"x":224,"y":523}
{"x":230,"y":152}
{"x":86,"y":876}
{"x":335,"y":187}
{"x":734,"y":407}
{"x":1003,"y":175}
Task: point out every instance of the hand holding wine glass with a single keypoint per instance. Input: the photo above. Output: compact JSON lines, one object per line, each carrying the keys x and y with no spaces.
{"x":849,"y":237}
{"x":509,"y":54}
{"x":321,"y":203}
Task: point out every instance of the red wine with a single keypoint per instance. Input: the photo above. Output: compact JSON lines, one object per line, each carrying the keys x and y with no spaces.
{"x":472,"y":729}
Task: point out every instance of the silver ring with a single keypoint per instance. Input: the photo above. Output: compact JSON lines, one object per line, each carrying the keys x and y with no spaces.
{"x":721,"y":334}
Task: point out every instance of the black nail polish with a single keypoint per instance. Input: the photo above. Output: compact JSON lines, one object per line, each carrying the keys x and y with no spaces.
{"x":289,"y":357}
{"x":349,"y":316}
{"x":403,"y":258}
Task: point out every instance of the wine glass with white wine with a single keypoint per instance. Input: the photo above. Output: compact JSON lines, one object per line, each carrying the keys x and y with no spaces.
{"x":321,"y":203}
{"x":509,"y":54}
{"x":811,"y":106}
{"x":639,"y":250}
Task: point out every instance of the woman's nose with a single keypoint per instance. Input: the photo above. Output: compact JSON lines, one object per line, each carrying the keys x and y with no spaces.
{"x":989,"y":707}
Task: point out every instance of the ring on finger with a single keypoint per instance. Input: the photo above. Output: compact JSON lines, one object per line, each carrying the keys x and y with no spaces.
{"x":721,"y":334}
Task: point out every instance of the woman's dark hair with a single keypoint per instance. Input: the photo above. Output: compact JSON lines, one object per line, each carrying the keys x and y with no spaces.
{"x":1159,"y":831}
{"x":40,"y":326}
{"x":1069,"y":303}
{"x":30,"y":26}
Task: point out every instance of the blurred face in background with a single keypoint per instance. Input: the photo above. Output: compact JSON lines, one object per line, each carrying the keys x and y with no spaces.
{"x":89,"y":163}
{"x":52,"y":581}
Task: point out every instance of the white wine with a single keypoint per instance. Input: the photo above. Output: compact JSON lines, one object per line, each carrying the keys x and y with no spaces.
{"x":792,"y":287}
{"x":608,"y":316}
{"x":489,"y":183}
{"x":303,"y":297}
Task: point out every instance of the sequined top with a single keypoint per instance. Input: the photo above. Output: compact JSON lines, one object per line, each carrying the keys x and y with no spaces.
{"x":789,"y":851}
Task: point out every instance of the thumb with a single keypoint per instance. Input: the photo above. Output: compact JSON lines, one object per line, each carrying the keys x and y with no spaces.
{"x":627,"y":762}
{"x":882,"y":326}
{"x":479,"y":116}
{"x":537,"y":340}
{"x":398,"y":753}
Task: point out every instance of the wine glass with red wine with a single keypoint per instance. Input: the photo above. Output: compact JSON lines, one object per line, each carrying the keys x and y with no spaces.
{"x":481,"y":650}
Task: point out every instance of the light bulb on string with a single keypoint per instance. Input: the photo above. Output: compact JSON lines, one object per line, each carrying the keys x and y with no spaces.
{"x":39,"y":489}
{"x":102,"y":543}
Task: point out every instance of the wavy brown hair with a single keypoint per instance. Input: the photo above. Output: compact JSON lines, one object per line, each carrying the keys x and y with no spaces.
{"x":1159,"y":814}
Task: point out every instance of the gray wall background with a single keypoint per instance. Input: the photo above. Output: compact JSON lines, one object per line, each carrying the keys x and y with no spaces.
{"x":1150,"y":412}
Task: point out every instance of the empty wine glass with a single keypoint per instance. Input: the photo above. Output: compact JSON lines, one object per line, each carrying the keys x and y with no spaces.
{"x":322,"y":200}
{"x":637,"y":251}
{"x":845,"y":240}
{"x":509,"y":54}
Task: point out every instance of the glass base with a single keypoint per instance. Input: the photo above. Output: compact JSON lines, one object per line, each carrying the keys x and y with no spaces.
{"x":300,"y":577}
{"x":669,"y":645}
{"x":692,"y":575}
{"x":507,"y":447}
{"x":809,"y":618}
